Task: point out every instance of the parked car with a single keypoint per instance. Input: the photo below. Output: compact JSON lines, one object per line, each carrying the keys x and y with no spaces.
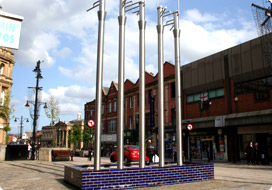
{"x":131,"y":154}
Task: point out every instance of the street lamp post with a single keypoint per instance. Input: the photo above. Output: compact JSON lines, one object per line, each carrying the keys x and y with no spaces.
{"x":36,"y":107}
{"x":21,"y":124}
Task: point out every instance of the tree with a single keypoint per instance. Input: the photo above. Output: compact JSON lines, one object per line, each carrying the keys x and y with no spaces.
{"x":88,"y":136}
{"x":53,"y":110}
{"x":6,"y":110}
{"x":7,"y":129}
{"x":75,"y":136}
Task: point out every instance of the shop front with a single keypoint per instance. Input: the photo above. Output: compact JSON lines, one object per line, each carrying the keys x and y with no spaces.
{"x":108,"y":143}
{"x":207,"y":145}
{"x":262,"y":135}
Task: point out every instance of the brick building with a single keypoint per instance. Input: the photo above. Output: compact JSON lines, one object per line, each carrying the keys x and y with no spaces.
{"x":225,"y":96}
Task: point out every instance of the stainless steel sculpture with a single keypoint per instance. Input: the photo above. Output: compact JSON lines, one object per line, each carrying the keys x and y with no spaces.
{"x":99,"y":79}
{"x":121,"y":76}
{"x":175,"y":24}
{"x":160,"y":27}
{"x":176,"y":33}
{"x":142,"y":25}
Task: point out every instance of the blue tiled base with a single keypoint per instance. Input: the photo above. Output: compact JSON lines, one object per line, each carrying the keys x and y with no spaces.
{"x":129,"y":178}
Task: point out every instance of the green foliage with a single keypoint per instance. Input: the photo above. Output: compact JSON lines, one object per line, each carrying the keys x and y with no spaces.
{"x":75,"y":136}
{"x":53,"y":110}
{"x":6,"y":110}
{"x":7,"y":128}
{"x":87,"y":133}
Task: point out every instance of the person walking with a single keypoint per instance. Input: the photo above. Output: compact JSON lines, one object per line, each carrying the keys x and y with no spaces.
{"x":250,"y":153}
{"x":150,"y":150}
{"x":257,"y":153}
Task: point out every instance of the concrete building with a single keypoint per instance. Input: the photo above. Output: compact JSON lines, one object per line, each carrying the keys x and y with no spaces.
{"x":6,"y":67}
{"x":226,"y":97}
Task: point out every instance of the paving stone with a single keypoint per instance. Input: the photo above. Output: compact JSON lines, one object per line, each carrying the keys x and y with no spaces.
{"x":42,"y":175}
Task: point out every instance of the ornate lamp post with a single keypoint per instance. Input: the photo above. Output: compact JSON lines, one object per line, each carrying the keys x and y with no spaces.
{"x":36,"y":105}
{"x":21,"y":123}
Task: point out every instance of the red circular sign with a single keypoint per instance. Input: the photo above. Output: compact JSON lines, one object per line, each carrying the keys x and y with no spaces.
{"x":189,"y":127}
{"x":90,"y":123}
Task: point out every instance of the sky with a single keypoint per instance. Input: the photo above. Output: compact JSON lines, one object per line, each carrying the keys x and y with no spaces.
{"x":63,"y":36}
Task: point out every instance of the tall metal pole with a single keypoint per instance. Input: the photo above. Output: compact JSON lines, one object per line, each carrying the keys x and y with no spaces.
{"x":99,"y":79}
{"x":38,"y":70}
{"x":21,"y":127}
{"x":142,"y":25}
{"x":176,"y":32}
{"x":121,"y":76}
{"x":160,"y":28}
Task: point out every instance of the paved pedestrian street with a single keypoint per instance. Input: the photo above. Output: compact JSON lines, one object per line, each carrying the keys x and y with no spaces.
{"x":28,"y":175}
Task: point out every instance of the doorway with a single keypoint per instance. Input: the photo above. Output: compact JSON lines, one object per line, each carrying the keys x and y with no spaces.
{"x":207,"y":150}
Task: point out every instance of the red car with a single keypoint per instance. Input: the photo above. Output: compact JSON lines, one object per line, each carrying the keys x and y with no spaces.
{"x":131,"y":154}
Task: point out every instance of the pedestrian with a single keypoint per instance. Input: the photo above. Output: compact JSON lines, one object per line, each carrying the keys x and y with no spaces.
{"x":257,"y":153}
{"x":250,"y":153}
{"x":150,"y":150}
{"x":29,"y":150}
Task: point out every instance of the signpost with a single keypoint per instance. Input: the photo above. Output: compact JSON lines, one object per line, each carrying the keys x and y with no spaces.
{"x":10,"y":29}
{"x":190,"y":127}
{"x":90,"y":123}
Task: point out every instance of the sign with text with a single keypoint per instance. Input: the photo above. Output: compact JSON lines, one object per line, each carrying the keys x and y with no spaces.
{"x":10,"y":29}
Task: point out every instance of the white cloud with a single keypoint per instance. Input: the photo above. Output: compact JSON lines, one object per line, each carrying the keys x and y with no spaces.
{"x":71,"y":98}
{"x":70,"y":109}
{"x":195,"y":16}
{"x":64,"y":52}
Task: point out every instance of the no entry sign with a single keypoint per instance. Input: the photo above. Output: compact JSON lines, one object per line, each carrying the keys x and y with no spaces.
{"x":189,"y":127}
{"x":90,"y":123}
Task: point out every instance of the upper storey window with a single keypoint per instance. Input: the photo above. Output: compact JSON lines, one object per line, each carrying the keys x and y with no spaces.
{"x":1,"y":69}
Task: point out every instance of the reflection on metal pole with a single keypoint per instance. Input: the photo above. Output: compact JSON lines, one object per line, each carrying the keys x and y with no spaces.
{"x":142,"y":25}
{"x":121,"y":75}
{"x":99,"y":79}
{"x":176,"y":32}
{"x":160,"y":28}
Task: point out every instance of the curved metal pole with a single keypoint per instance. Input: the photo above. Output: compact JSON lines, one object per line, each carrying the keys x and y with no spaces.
{"x":121,"y":76}
{"x":142,"y":25}
{"x":99,"y":79}
{"x":176,"y":32}
{"x":160,"y":28}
